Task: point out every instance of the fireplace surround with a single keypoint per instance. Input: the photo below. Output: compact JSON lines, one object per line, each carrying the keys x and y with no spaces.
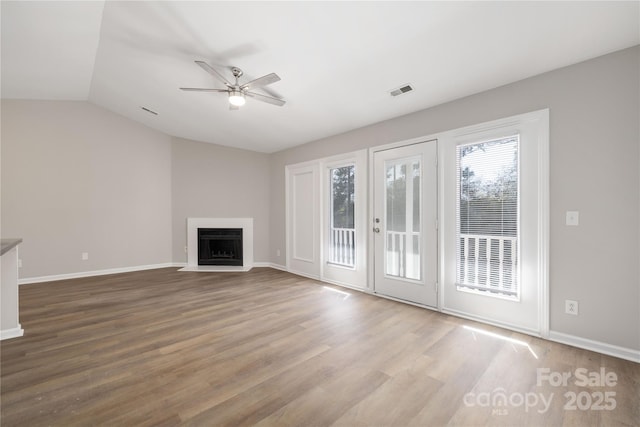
{"x":243,"y":224}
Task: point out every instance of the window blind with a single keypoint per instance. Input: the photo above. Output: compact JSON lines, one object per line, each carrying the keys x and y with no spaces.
{"x":487,"y":230}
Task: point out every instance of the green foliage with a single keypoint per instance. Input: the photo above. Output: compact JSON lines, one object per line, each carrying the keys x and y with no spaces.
{"x":343,"y":196}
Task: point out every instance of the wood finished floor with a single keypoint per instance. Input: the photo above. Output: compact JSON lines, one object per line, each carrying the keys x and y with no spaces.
{"x":269,"y":348}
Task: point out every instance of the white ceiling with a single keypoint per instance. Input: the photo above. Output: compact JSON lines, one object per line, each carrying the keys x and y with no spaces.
{"x":337,"y":60}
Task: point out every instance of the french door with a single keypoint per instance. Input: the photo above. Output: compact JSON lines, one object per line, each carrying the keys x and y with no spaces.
{"x":405,"y":223}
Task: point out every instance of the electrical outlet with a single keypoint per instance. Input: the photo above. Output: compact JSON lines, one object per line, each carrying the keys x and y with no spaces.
{"x":185,"y":249}
{"x":277,"y":252}
{"x":573,"y":218}
{"x":571,"y":307}
{"x":19,"y":263}
{"x":85,"y":256}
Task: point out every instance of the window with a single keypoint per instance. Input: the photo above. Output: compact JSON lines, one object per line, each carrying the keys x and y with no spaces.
{"x":342,"y":233}
{"x":402,"y":244}
{"x":487,"y":212}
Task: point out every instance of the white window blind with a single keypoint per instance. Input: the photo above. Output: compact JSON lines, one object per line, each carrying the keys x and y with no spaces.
{"x":487,"y":232}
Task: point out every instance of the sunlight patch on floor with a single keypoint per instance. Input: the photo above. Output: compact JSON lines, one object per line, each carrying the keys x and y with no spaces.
{"x":501,"y":337}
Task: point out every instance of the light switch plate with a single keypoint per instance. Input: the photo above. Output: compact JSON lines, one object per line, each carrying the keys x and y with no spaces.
{"x":573,"y":218}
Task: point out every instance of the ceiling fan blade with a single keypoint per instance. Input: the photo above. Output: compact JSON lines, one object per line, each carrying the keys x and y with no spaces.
{"x":197,"y":89}
{"x":267,"y":99}
{"x":261,"y":81}
{"x":209,"y":69}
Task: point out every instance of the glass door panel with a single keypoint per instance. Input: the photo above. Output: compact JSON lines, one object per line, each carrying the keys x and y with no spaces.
{"x":405,"y":213}
{"x":402,"y":198}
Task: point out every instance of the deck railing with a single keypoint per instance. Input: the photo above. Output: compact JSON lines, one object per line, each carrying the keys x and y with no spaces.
{"x":343,"y":246}
{"x":488,"y":263}
{"x":403,"y":257}
{"x":485,"y":262}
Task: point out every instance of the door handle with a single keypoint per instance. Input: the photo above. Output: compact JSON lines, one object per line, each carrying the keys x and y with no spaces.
{"x":376,"y":230}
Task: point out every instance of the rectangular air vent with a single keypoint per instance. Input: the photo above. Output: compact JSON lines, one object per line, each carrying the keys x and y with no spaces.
{"x":149,"y":111}
{"x":401,"y":90}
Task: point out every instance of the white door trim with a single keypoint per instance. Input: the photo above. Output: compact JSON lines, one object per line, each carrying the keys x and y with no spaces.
{"x":543,"y":212}
{"x":541,"y":119}
{"x":350,"y":277}
{"x":371,"y":250}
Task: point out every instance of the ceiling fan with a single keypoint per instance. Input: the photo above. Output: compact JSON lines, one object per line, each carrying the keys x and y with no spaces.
{"x":237,"y":92}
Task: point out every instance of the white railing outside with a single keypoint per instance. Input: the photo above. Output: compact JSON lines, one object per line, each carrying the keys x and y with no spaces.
{"x":488,"y":263}
{"x":343,"y":246}
{"x":403,"y":261}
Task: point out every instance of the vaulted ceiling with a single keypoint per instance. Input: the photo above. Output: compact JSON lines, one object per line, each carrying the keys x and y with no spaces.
{"x":337,"y":60}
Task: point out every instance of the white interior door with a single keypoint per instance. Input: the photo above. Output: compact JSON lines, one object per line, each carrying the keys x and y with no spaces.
{"x":405,"y":223}
{"x":303,"y":230}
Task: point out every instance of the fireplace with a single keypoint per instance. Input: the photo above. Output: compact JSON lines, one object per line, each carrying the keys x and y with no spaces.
{"x":193,"y":244}
{"x":220,"y":246}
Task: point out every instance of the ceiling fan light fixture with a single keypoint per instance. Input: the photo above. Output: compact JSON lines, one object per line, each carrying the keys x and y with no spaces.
{"x":236,"y":98}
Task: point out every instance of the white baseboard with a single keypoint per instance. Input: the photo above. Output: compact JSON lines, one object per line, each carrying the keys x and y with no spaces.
{"x":41,"y":279}
{"x":307,"y":275}
{"x":344,"y":285}
{"x":279,"y":267}
{"x":597,"y":346}
{"x":55,"y":277}
{"x":270,"y":265}
{"x":481,"y":319}
{"x":12,"y":333}
{"x":404,"y":301}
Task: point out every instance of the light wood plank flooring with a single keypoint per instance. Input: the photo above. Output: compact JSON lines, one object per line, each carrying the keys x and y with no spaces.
{"x":269,"y":348}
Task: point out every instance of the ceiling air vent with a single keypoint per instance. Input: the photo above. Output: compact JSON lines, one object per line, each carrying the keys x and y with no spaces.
{"x":149,"y":111}
{"x":401,"y":90}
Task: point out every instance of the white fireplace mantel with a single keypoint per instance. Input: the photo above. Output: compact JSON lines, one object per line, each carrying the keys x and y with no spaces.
{"x":192,"y":242}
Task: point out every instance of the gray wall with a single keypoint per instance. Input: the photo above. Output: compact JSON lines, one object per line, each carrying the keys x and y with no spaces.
{"x":211,"y":181}
{"x":77,"y":178}
{"x":594,"y":161}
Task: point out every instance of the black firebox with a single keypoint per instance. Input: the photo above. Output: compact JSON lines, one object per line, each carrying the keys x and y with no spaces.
{"x":220,"y":246}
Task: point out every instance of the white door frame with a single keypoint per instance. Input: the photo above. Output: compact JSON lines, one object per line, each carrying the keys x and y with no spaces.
{"x":371,"y":221}
{"x":542,"y":266}
{"x":542,"y":213}
{"x":539,"y":119}
{"x":422,"y":290}
{"x":315,"y":266}
{"x":355,"y":277}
